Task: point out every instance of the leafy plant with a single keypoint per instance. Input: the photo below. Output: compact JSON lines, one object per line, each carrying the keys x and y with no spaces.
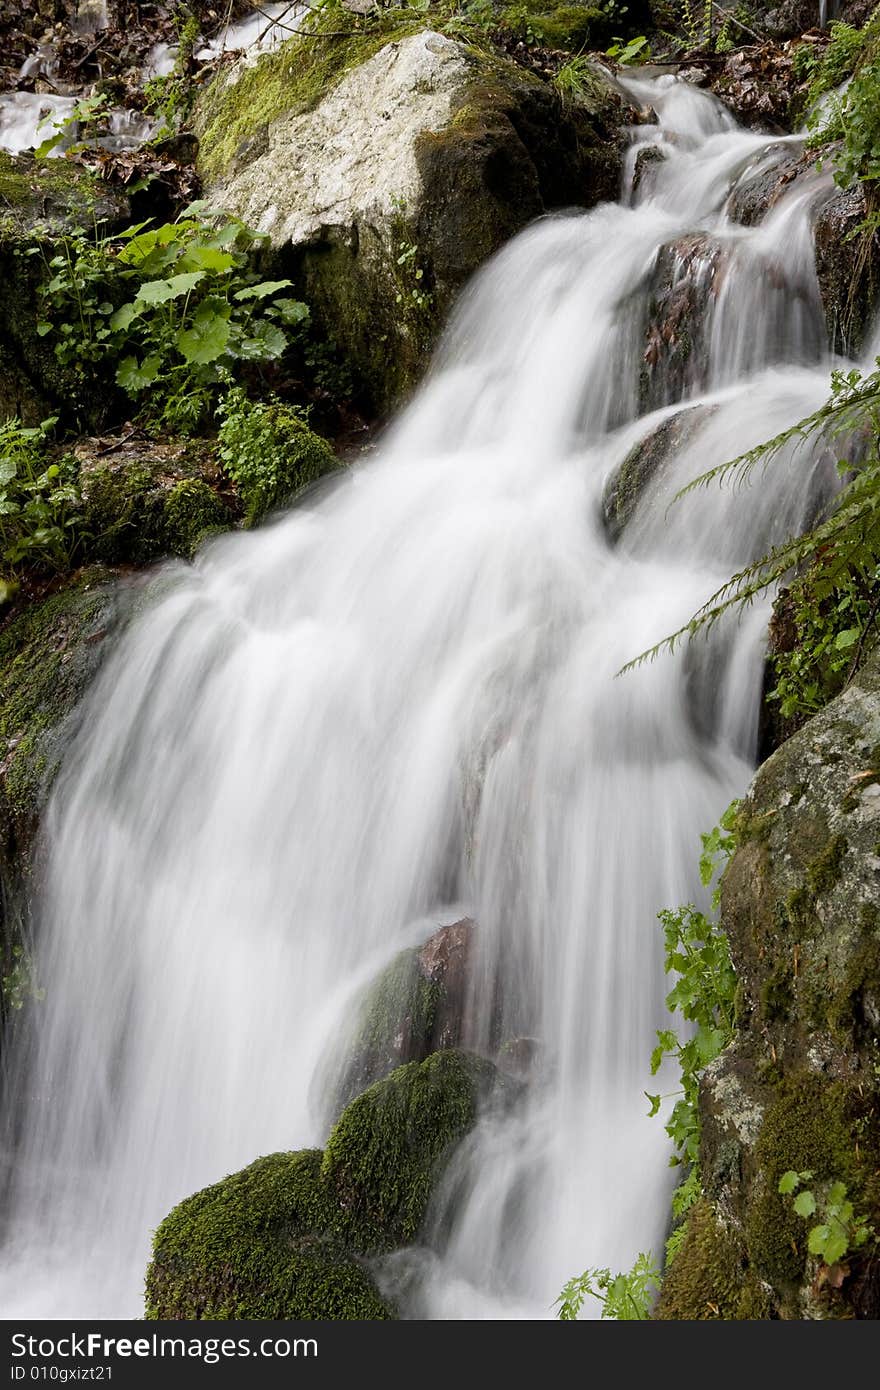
{"x":636,"y":50}
{"x":82,"y":124}
{"x":838,"y":1231}
{"x":624,"y":1297}
{"x":268,"y":450}
{"x":172,"y":310}
{"x":697,"y":952}
{"x":38,"y":499}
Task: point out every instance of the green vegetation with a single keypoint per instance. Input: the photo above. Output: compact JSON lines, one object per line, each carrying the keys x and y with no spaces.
{"x":838,"y":1230}
{"x":38,"y":499}
{"x":255,"y":1246}
{"x":170,"y":310}
{"x":697,"y":952}
{"x":269,"y":451}
{"x":172,"y":96}
{"x":624,"y":1297}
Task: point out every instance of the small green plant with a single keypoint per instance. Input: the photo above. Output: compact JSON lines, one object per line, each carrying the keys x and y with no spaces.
{"x":38,"y":499}
{"x":626,"y":51}
{"x":84,"y":122}
{"x":697,"y":952}
{"x":624,"y":1297}
{"x":268,"y":450}
{"x":171,"y":310}
{"x":838,"y":1231}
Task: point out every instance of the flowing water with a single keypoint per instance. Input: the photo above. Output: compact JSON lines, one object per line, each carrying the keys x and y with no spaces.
{"x":398,"y":703}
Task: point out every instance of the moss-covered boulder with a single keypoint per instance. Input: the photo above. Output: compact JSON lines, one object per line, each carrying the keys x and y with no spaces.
{"x":255,"y":1246}
{"x":40,"y":202}
{"x":799,"y":1088}
{"x":416,"y":1007}
{"x":142,"y":500}
{"x":290,"y":1236}
{"x":388,"y":1149}
{"x":386,"y":167}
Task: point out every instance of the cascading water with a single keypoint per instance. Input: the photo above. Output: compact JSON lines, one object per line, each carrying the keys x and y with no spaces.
{"x":397,"y":703}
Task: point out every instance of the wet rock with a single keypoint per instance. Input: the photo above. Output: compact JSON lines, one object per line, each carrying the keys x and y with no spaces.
{"x":848,"y":267}
{"x":644,"y":464}
{"x":687,"y":278}
{"x":50,"y":652}
{"x":416,"y":1007}
{"x":384,"y":181}
{"x":798,"y":1088}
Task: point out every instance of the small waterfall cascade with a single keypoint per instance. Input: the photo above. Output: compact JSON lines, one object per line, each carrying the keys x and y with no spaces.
{"x":396,"y":704}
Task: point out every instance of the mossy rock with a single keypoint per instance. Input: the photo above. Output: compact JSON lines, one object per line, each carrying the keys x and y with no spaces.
{"x":289,"y":1236}
{"x":799,"y":1087}
{"x":446,"y":152}
{"x":144,"y":502}
{"x":254,"y":1247}
{"x":645,"y":465}
{"x":49,"y":653}
{"x":415,"y":1007}
{"x":388,"y":1149}
{"x":708,"y":1278}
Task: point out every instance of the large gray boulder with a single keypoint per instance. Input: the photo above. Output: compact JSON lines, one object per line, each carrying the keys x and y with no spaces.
{"x":383,"y":187}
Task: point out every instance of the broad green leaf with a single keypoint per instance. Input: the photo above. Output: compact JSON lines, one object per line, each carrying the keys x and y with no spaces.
{"x":123,"y":317}
{"x":654,"y":1102}
{"x":805,"y":1203}
{"x":43,"y":327}
{"x":205,"y":340}
{"x":202,"y":256}
{"x":262,"y":291}
{"x":161,"y":291}
{"x":262,"y":346}
{"x":291,"y":311}
{"x":133,"y":376}
{"x":847,"y":638}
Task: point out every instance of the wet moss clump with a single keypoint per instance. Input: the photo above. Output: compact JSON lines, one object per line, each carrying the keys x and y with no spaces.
{"x":386,"y":1152}
{"x":254,"y":1247}
{"x":826,"y":1128}
{"x":395,"y":1024}
{"x":140,"y":509}
{"x":708,"y":1279}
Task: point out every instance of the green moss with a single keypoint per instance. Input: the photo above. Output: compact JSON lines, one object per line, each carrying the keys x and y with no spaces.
{"x":231,"y":116}
{"x":254,"y":1247}
{"x":395,"y":1024}
{"x":824,"y":871}
{"x":46,"y":193}
{"x":571,"y":27}
{"x":386,"y":1152}
{"x":708,"y":1279}
{"x":776,"y":993}
{"x":192,"y":511}
{"x":818,"y":1126}
{"x":139,"y":510}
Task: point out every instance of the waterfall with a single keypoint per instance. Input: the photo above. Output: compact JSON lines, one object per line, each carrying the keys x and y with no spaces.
{"x":397,"y":703}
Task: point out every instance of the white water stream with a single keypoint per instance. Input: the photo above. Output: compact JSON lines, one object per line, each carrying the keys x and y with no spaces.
{"x":398,"y":701}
